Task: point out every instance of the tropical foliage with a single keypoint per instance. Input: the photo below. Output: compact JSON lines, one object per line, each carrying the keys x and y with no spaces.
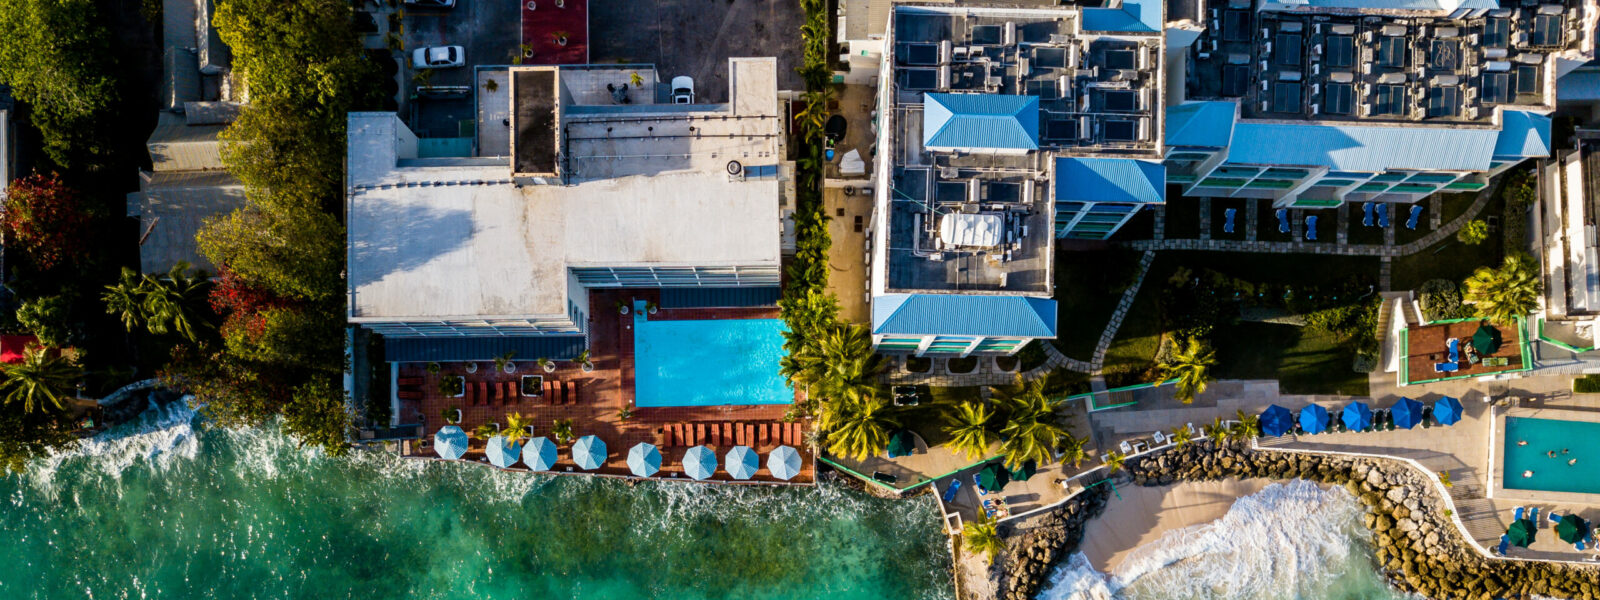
{"x":517,"y":427}
{"x":173,"y":303}
{"x":45,"y":220}
{"x":1474,"y":232}
{"x":1247,"y":426}
{"x":1217,"y":432}
{"x":561,"y":430}
{"x":1073,"y":450}
{"x":861,"y":427}
{"x":318,"y":414}
{"x":1115,"y":461}
{"x":980,"y":536}
{"x":970,"y":429}
{"x":1191,"y":366}
{"x":1181,"y":436}
{"x":43,"y":380}
{"x":1031,"y":431}
{"x":47,"y":318}
{"x":837,"y":368}
{"x":1507,"y":293}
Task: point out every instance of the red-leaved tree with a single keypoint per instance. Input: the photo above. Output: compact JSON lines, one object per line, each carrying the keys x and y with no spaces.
{"x":242,"y":305}
{"x":45,"y":219}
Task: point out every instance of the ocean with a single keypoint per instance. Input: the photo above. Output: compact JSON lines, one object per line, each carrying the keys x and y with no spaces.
{"x":165,"y":507}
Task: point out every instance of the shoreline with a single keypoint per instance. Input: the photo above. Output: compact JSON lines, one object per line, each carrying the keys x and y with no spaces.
{"x":1125,"y":525}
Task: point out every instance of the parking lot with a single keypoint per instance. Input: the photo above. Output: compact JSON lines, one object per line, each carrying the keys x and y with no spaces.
{"x":490,"y":33}
{"x":697,"y":37}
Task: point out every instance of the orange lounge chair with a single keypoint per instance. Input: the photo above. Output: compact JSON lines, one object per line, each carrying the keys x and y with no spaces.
{"x":666,"y":437}
{"x":775,"y":433}
{"x":716,"y":436}
{"x":699,"y":433}
{"x":740,"y":431}
{"x":572,"y":392}
{"x":683,"y":438}
{"x":791,"y":434}
{"x":512,"y":395}
{"x":761,"y":434}
{"x":727,"y":432}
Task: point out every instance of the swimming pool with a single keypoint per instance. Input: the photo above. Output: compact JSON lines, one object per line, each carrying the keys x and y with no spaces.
{"x":708,"y":363}
{"x":1569,"y":440}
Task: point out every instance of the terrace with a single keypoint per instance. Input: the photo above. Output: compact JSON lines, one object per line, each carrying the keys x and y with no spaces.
{"x":1427,"y":356}
{"x":1407,"y":69}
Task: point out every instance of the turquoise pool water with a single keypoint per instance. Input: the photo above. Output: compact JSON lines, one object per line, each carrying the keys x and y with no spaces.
{"x":708,"y":363}
{"x":1572,"y":442}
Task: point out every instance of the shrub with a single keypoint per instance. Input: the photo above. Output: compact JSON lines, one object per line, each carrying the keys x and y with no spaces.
{"x":46,"y":220}
{"x":1587,"y":384}
{"x":1474,"y":232}
{"x":1441,"y":299}
{"x":49,"y":319}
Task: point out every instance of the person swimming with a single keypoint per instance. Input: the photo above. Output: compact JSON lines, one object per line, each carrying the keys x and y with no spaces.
{"x":1551,"y":454}
{"x":1522,"y":442}
{"x":1572,"y":462}
{"x":1527,"y":473}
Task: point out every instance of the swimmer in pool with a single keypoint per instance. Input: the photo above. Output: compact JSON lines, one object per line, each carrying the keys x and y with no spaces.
{"x":1527,"y":473}
{"x":1522,"y":442}
{"x":1572,"y":462}
{"x":1551,"y":454}
{"x":1563,"y":450}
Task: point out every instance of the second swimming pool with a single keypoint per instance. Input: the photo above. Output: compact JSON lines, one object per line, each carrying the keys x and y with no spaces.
{"x":1559,"y":456}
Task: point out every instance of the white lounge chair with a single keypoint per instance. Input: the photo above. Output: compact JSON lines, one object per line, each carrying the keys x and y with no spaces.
{"x":1140,"y":446}
{"x":1160,"y":438}
{"x":1126,"y":447}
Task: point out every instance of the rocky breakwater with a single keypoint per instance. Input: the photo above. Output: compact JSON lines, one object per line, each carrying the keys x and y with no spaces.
{"x":1418,"y":545}
{"x":1034,"y":547}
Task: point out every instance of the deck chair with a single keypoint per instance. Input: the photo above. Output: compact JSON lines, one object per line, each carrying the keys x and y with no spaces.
{"x":1125,"y":447}
{"x":572,"y":392}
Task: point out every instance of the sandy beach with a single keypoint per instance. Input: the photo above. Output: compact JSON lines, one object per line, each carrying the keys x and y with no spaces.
{"x":1144,"y":514}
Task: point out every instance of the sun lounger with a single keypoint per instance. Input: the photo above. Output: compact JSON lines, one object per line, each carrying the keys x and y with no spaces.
{"x":700,"y":433}
{"x":978,"y":486}
{"x":727,"y":433}
{"x":775,"y":435}
{"x":792,"y":435}
{"x":749,"y":435}
{"x":1140,"y":446}
{"x":761,"y":435}
{"x":1516,"y":515}
{"x":1505,"y":544}
{"x":1126,"y":447}
{"x":1579,"y":546}
{"x":1383,"y":215}
{"x":1533,"y":515}
{"x":1161,"y":440}
{"x":1311,"y":228}
{"x":408,"y":395}
{"x":405,"y":381}
{"x":572,"y":392}
{"x":1455,"y":350}
{"x":1227,"y":220}
{"x":512,"y":395}
{"x":738,"y":434}
{"x":1416,"y":212}
{"x":950,"y":492}
{"x":1283,"y":220}
{"x":1555,"y":517}
{"x":1366,"y":217}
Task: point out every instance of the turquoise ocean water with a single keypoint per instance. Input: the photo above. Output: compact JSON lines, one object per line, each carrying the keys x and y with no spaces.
{"x":166,"y":508}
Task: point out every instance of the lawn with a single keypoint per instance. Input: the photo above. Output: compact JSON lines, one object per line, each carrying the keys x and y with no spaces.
{"x":1449,"y":259}
{"x":1359,"y":232}
{"x":1088,"y":286}
{"x":1302,"y":363}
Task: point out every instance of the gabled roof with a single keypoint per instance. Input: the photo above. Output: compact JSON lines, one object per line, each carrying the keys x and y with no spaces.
{"x":1203,"y":124}
{"x":1523,"y":134}
{"x":1134,"y":16}
{"x":962,"y":314}
{"x":988,"y":121}
{"x":1363,"y":147}
{"x":1110,"y":180}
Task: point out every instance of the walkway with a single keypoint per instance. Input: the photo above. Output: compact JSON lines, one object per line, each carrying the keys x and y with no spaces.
{"x":1128,"y":295}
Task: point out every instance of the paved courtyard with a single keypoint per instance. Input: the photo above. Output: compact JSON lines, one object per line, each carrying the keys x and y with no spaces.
{"x":697,"y":37}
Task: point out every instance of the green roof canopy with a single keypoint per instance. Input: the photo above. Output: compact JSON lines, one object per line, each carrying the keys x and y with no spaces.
{"x":1486,"y":340}
{"x":992,"y":477}
{"x":1571,"y":528}
{"x":1521,"y":532}
{"x":901,"y":443}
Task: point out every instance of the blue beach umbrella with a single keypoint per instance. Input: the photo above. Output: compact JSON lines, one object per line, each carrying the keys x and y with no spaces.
{"x":784,"y":462}
{"x":699,"y":462}
{"x":450,"y":442}
{"x":1276,"y":420}
{"x":742,"y":462}
{"x":540,"y":454}
{"x":1407,"y":413}
{"x":644,"y":460}
{"x":589,"y":452}
{"x":1357,"y":416}
{"x":502,"y":451}
{"x":1314,"y":418}
{"x":1447,"y":410}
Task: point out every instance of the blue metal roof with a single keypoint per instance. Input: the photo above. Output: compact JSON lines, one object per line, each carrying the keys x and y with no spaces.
{"x":455,"y":349}
{"x":1203,"y":124}
{"x":1135,"y":16}
{"x":1361,"y":147}
{"x":960,"y":314}
{"x":996,"y":121}
{"x":1578,"y":86}
{"x":1523,"y":134}
{"x":1110,"y":180}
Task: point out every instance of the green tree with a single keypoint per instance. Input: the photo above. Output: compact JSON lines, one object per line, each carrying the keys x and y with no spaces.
{"x":1181,"y":436}
{"x":862,"y":429}
{"x":980,"y":536}
{"x":173,"y":303}
{"x":517,"y":427}
{"x":1191,"y":366}
{"x":837,"y":368}
{"x":125,"y":299}
{"x":1115,"y":461}
{"x":318,"y":415}
{"x":1219,"y":435}
{"x":1473,"y":233}
{"x":1248,"y":426}
{"x":294,"y":252}
{"x":49,"y":318}
{"x":295,"y":337}
{"x":42,"y":379}
{"x":55,"y":56}
{"x":562,"y":431}
{"x":1502,"y":295}
{"x":25,"y":436}
{"x":969,"y":429}
{"x":1073,"y":450}
{"x":1031,"y":431}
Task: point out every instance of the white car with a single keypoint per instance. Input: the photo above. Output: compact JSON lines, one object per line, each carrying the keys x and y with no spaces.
{"x":438,"y":57}
{"x":682,"y":90}
{"x":433,"y":3}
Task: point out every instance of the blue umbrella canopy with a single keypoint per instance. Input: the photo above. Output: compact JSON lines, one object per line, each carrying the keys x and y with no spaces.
{"x":450,"y":442}
{"x":1357,"y":416}
{"x":589,"y":452}
{"x":644,"y":460}
{"x":1447,"y":410}
{"x":1407,"y":413}
{"x":540,"y":454}
{"x":1314,"y":418}
{"x":742,"y":462}
{"x":699,"y":462}
{"x":1276,"y":420}
{"x":502,"y":451}
{"x":784,"y":462}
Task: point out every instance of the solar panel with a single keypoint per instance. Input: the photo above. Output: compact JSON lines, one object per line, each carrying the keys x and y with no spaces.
{"x":1286,"y":97}
{"x":1496,"y":87}
{"x":1392,"y":52}
{"x":1120,"y":101}
{"x":1043,"y":88}
{"x":1444,"y":101}
{"x":922,"y":54}
{"x":1236,"y":26}
{"x":1445,"y":54}
{"x":1389,"y":100}
{"x":1546,"y":31}
{"x":1050,"y":57}
{"x":1061,"y":129}
{"x":1120,"y":131}
{"x":1339,"y":98}
{"x":1119,"y":59}
{"x":1496,"y":32}
{"x":1527,"y":79}
{"x":1288,"y":48}
{"x":1341,"y":51}
{"x":919,"y":79}
{"x":1235,"y":80}
{"x":986,"y":35}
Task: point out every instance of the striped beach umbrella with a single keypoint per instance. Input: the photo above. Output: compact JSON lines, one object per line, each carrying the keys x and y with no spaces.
{"x":742,"y":462}
{"x":784,"y":462}
{"x":644,"y":460}
{"x":450,"y":442}
{"x":540,"y":454}
{"x":699,"y":462}
{"x":1314,"y":418}
{"x":589,"y":452}
{"x":502,"y":451}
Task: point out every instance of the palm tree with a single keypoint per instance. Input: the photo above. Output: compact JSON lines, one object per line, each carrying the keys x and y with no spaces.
{"x":1249,"y":426}
{"x":862,"y":429}
{"x":1114,"y":460}
{"x":170,"y":301}
{"x":40,"y":378}
{"x":969,"y":429}
{"x":1219,"y":435}
{"x":1073,"y":451}
{"x":1191,"y":365}
{"x":1031,"y":431}
{"x":1504,"y":294}
{"x":125,"y":299}
{"x":1181,"y":437}
{"x":838,"y":368}
{"x":517,"y":427}
{"x":485,"y":431}
{"x":562,"y":431}
{"x":980,"y":536}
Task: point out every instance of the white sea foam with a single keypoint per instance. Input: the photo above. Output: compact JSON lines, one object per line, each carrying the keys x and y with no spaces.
{"x":160,"y":436}
{"x":1284,"y":542}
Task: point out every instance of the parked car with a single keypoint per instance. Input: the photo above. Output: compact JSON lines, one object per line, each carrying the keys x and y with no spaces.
{"x":433,"y":3}
{"x":438,"y":57}
{"x":683,"y":90}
